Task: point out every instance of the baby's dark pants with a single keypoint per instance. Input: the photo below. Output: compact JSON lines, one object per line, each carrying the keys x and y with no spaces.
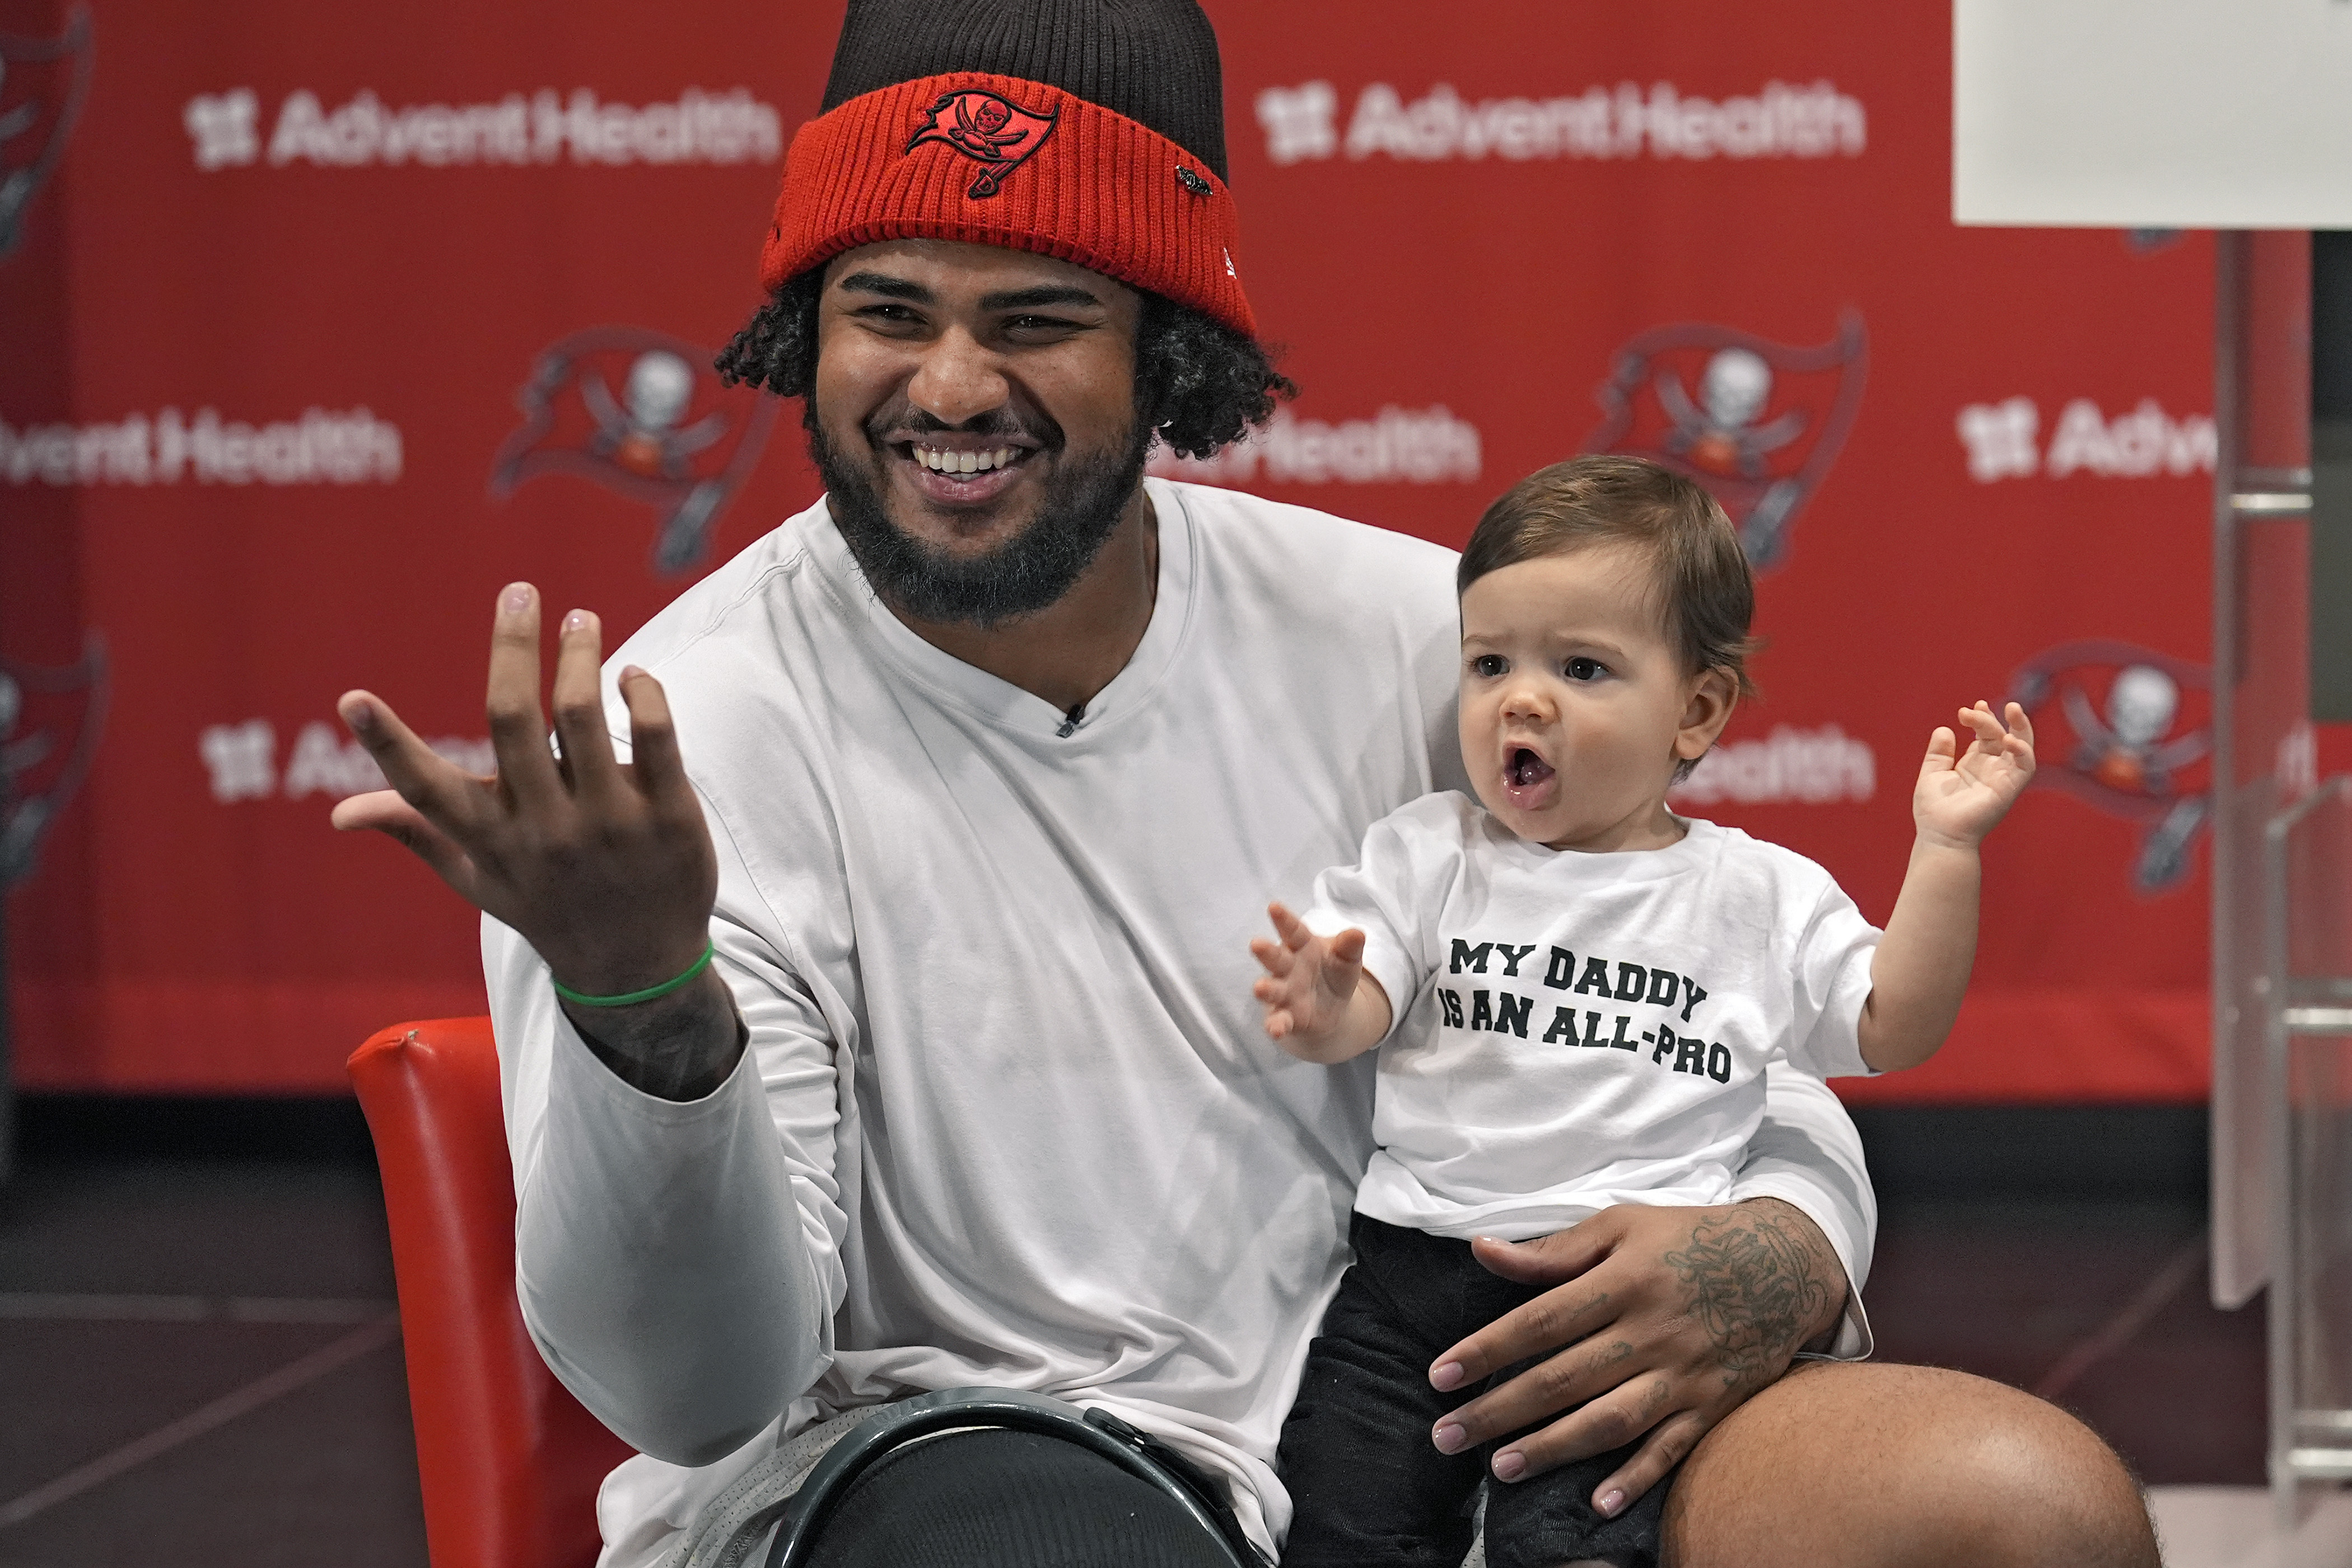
{"x":1369,"y":1489}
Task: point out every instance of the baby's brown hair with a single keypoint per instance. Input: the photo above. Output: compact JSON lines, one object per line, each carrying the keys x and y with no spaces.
{"x":1707,"y":593}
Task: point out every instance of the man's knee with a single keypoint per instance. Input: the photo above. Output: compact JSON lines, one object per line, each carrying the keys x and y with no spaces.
{"x":1904,"y":1467}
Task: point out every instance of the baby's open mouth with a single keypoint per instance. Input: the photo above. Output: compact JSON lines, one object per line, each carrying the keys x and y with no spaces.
{"x":1525,"y":768}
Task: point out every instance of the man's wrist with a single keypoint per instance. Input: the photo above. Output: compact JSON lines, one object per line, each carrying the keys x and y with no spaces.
{"x":607,"y":977}
{"x":679,"y":1047}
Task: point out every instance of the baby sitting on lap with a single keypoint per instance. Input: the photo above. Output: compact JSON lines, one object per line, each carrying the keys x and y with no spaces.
{"x":1577,"y":993}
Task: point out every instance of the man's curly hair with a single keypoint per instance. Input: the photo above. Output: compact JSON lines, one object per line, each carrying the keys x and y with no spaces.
{"x":1199,"y":385}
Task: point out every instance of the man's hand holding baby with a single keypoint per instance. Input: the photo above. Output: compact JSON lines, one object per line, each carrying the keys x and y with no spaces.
{"x":1320,"y":1002}
{"x":1921,"y":969}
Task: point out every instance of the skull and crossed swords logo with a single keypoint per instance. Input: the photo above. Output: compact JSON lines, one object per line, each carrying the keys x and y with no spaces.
{"x":991,"y":130}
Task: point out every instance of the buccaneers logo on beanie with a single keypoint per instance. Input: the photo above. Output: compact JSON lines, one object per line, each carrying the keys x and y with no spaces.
{"x":983,"y":126}
{"x":1098,"y":127}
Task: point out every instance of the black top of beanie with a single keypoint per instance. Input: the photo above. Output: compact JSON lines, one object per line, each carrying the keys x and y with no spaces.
{"x":1154,"y":61}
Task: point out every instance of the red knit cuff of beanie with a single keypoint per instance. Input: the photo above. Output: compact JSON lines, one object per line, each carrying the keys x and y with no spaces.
{"x":995,"y":160}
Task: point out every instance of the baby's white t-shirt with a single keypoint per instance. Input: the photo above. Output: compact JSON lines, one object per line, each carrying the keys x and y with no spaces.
{"x":1576,"y":1030}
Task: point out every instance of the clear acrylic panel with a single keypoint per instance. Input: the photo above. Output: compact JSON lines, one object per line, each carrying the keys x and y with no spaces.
{"x":2309,"y":930}
{"x":2261,"y":682}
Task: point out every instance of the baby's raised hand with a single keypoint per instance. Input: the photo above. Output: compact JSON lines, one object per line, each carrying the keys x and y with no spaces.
{"x":1309,"y":980}
{"x":1962,"y":795}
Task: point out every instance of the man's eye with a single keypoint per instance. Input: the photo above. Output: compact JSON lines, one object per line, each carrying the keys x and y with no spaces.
{"x":1489,"y":664}
{"x":1586,"y":669}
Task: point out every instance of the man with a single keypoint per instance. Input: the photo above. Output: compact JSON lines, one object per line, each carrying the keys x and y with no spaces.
{"x":976,"y":777}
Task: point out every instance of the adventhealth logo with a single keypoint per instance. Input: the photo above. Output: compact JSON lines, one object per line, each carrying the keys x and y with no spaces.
{"x":322,"y":446}
{"x":1776,"y":121}
{"x":2003,"y":441}
{"x":697,"y":127}
{"x":240,"y":762}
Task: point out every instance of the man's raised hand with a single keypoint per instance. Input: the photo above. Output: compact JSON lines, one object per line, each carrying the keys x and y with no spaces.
{"x":604,"y":867}
{"x":1320,"y":1002}
{"x":1962,"y":795}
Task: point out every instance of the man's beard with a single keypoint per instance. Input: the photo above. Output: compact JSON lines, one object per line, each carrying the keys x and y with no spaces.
{"x":1082,"y":504}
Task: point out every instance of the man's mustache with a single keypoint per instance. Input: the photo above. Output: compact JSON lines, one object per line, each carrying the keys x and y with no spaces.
{"x":901,"y":420}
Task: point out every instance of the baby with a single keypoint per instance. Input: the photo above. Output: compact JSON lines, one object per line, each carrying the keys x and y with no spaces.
{"x":1578,"y":991}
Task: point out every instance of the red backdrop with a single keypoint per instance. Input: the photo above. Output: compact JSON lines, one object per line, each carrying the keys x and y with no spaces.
{"x":323,"y":327}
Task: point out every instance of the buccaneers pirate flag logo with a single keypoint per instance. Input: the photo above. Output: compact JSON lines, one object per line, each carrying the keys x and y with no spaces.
{"x":2133,"y":728}
{"x":671,"y":437}
{"x":42,"y":84}
{"x":991,"y":130}
{"x":49,"y":724}
{"x":1757,"y":422}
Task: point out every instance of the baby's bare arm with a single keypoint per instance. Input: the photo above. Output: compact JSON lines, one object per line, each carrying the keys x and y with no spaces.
{"x":1920,"y":972}
{"x":1320,"y":1004}
{"x":1921,"y":969}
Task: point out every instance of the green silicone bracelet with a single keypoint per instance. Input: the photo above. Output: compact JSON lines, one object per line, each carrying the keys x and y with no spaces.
{"x":628,"y":998}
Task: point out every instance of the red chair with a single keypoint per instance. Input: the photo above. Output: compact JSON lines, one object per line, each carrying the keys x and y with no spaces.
{"x":510,"y":1461}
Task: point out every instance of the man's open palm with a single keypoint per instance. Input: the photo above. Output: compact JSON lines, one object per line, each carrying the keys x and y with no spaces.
{"x":604,"y":867}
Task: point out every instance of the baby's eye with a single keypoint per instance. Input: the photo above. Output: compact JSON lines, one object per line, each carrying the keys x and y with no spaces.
{"x":1586,"y":669}
{"x":1489,"y":664}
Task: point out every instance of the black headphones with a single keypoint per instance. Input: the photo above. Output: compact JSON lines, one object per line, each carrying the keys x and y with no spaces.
{"x":1139,"y":1455}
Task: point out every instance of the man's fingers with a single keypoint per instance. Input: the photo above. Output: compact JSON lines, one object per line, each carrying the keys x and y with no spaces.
{"x":383,"y":811}
{"x":1594,"y":1365}
{"x":431,"y":784}
{"x":579,"y":708}
{"x":1347,"y":947}
{"x":1552,"y":1259}
{"x":1561,"y":1316}
{"x":1668,"y":1445}
{"x":518,"y":729}
{"x":653,"y":759}
{"x":378,"y":808}
{"x":1278,"y":958}
{"x":1610,"y":1421}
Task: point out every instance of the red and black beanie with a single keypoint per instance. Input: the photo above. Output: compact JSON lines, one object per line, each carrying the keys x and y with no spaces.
{"x":1093,"y":130}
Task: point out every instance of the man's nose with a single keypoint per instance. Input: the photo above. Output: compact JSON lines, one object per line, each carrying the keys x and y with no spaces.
{"x":958,"y":379}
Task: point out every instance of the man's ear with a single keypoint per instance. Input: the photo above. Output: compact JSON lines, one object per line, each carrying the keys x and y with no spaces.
{"x":1713,"y":695}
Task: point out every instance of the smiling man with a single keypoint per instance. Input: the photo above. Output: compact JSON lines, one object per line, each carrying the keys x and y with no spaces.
{"x":877,"y":1027}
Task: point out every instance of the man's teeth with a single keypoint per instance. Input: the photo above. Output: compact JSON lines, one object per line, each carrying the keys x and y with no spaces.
{"x":946,"y":462}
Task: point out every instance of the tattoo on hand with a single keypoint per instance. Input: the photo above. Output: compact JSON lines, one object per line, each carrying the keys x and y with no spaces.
{"x":1606,"y":1356}
{"x":1757,"y":1289}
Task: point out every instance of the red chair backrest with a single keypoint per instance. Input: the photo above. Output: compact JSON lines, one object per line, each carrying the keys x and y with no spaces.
{"x":509,"y":1461}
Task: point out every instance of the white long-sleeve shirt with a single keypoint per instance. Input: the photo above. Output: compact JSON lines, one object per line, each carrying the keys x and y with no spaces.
{"x":1009,"y":1114}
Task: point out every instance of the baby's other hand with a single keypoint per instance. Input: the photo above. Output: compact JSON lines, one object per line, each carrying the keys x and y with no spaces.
{"x":1962,"y":795}
{"x":1308,"y":980}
